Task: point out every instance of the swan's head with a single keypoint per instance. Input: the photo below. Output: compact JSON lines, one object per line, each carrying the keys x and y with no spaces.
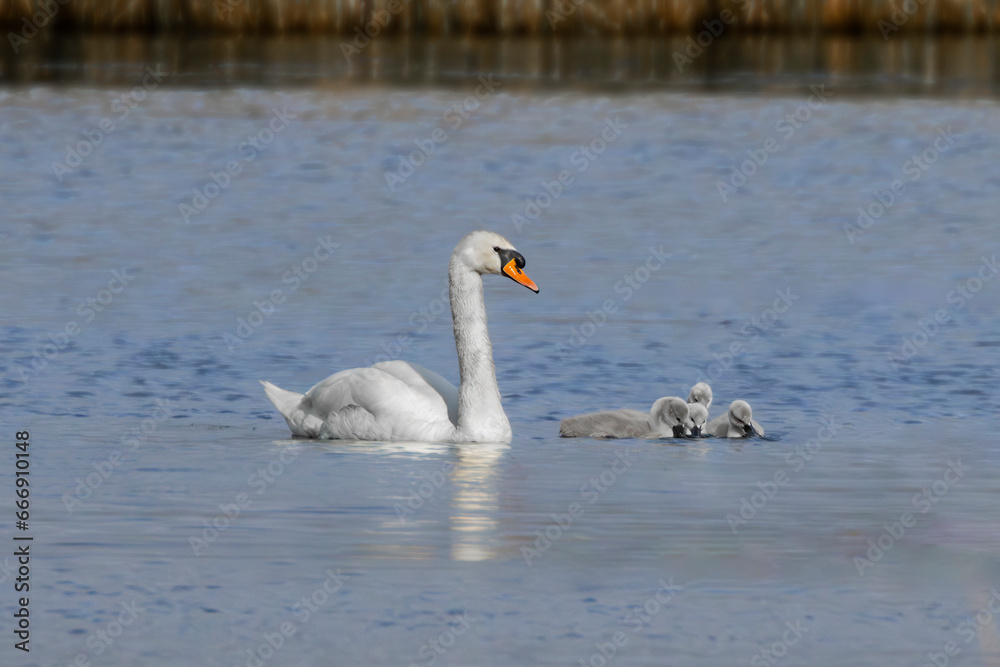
{"x":488,"y":252}
{"x":701,"y":393}
{"x":741,"y":417}
{"x":669,"y":414}
{"x":697,"y":416}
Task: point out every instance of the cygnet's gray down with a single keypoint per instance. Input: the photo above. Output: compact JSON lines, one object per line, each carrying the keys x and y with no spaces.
{"x":664,"y":420}
{"x":736,"y":423}
{"x":701,"y":393}
{"x":694,"y":425}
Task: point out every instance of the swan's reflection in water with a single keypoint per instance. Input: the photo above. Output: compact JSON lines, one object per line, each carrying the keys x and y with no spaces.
{"x":470,"y":472}
{"x":474,"y":500}
{"x":415,"y":450}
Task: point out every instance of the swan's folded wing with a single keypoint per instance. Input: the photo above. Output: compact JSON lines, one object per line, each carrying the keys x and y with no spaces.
{"x":425,"y":381}
{"x":400,"y":411}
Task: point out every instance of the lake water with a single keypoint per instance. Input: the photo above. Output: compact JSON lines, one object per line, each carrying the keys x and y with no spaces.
{"x":863,"y":530}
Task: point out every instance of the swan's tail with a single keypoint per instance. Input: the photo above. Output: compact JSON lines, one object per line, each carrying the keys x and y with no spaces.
{"x":298,"y":416}
{"x":286,"y":401}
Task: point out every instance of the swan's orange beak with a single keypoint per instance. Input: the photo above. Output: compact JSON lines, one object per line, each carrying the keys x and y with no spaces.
{"x":517,"y":275}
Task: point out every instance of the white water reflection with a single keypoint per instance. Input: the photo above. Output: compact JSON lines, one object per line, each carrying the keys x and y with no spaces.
{"x":475,"y":498}
{"x":398,"y":448}
{"x":469,"y":472}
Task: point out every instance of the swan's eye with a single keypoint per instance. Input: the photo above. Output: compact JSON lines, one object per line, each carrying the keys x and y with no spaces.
{"x":496,"y":249}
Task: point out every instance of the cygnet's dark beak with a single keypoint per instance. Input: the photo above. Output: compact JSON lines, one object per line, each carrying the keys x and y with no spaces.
{"x":678,"y":431}
{"x":695,"y":431}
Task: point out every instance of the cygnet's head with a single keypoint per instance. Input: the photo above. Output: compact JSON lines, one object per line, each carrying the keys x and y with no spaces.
{"x":488,"y":252}
{"x":701,"y":393}
{"x":741,"y":417}
{"x":697,"y":416}
{"x":669,"y":414}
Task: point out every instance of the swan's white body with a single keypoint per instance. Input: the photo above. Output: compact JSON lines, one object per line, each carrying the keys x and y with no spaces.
{"x":397,"y":400}
{"x":738,"y":422}
{"x":664,"y":420}
{"x":392,"y":400}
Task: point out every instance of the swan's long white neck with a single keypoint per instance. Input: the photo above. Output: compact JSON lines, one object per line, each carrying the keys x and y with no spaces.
{"x":480,"y":413}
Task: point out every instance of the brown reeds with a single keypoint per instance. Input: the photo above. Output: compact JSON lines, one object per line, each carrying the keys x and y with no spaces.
{"x":503,"y":17}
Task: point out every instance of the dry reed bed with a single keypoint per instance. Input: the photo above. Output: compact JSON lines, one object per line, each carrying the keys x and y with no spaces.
{"x":507,"y":17}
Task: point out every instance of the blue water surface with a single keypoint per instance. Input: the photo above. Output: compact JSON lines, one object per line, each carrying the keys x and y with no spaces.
{"x":176,"y":522}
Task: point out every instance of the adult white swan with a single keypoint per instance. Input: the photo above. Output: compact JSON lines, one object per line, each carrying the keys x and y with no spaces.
{"x":397,"y":400}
